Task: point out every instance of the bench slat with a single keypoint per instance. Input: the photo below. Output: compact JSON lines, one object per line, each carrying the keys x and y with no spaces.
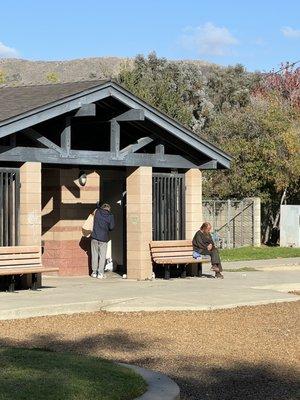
{"x":166,"y":249}
{"x":180,"y":260}
{"x":170,"y":243}
{"x":19,"y":249}
{"x":172,"y":254}
{"x":7,"y":263}
{"x":174,"y":248}
{"x":19,"y":256}
{"x":30,"y":269}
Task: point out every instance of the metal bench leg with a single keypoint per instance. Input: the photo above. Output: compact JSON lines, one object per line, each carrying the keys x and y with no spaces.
{"x":199,"y":270}
{"x":167,"y":271}
{"x":183,"y":271}
{"x":11,"y":286}
{"x":34,"y":281}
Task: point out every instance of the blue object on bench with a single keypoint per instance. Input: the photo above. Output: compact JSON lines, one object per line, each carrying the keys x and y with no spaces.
{"x":196,"y":255}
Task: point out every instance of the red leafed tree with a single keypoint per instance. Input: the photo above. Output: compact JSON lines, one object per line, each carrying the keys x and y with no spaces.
{"x":286,"y":82}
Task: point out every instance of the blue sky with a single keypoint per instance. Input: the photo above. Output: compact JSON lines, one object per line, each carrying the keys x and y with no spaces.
{"x":258,"y":34}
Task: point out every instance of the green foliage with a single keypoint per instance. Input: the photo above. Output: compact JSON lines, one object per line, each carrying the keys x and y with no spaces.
{"x":237,"y":111}
{"x":166,"y":85}
{"x":230,"y":87}
{"x":52,"y":77}
{"x":184,"y":92}
{"x":264,"y":140}
{"x":2,"y":77}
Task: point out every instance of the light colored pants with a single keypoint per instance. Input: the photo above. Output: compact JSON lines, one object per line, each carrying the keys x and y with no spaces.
{"x":98,"y":256}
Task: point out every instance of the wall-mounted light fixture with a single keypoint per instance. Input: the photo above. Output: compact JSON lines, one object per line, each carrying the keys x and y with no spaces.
{"x":82,"y":178}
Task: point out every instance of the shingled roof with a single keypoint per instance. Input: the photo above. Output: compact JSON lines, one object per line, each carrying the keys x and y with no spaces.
{"x":18,"y":100}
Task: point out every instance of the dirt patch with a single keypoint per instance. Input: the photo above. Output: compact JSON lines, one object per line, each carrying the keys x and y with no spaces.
{"x":243,"y":353}
{"x":243,"y":269}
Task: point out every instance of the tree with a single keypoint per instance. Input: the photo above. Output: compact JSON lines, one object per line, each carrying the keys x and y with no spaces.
{"x":264,"y":140}
{"x":174,"y":88}
{"x":230,"y":87}
{"x":284,"y":84}
{"x":52,"y":77}
{"x":254,"y":117}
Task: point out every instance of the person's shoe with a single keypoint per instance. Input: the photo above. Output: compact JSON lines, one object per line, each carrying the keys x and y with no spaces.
{"x":94,"y":275}
{"x":219,"y":275}
{"x":101,"y":276}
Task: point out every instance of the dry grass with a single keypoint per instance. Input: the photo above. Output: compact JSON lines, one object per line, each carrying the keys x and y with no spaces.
{"x":242,"y":353}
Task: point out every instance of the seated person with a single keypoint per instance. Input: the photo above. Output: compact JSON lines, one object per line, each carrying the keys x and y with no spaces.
{"x":203,"y":244}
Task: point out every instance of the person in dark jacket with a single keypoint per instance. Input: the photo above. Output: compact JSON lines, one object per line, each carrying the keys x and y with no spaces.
{"x":103,"y":224}
{"x":204,"y":244}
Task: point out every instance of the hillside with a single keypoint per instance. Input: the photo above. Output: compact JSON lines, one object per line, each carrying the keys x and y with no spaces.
{"x":16,"y":72}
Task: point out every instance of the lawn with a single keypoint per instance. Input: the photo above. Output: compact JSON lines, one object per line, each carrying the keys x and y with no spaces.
{"x":38,"y":374}
{"x":258,"y":253}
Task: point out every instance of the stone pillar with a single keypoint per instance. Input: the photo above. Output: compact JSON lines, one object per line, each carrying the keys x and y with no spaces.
{"x":256,"y":222}
{"x":193,"y":202}
{"x":30,"y":204}
{"x":139,"y":222}
{"x":30,"y":211}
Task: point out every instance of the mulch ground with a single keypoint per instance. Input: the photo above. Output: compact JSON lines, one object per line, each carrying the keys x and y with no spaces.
{"x":242,"y":353}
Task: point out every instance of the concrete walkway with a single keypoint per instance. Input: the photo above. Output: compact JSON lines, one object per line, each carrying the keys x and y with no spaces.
{"x":65,"y":295}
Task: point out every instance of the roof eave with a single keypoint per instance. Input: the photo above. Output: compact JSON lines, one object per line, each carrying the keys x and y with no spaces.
{"x":98,"y":92}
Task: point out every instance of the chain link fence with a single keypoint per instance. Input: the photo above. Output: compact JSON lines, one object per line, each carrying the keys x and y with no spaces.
{"x":236,"y":223}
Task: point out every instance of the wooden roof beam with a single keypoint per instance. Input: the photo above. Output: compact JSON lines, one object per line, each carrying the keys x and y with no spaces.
{"x":37,"y":137}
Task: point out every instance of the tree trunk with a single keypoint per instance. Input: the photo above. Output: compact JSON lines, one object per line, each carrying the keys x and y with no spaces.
{"x":268,"y":224}
{"x":276,"y":221}
{"x":267,"y":234}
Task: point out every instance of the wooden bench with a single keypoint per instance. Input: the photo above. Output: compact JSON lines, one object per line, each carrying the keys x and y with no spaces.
{"x":170,"y":252}
{"x":22,"y":260}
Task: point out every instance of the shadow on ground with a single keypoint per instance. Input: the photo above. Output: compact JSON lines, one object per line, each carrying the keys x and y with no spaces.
{"x":207,"y":377}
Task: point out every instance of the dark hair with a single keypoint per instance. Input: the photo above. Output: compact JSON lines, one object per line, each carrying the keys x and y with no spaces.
{"x":205,"y":225}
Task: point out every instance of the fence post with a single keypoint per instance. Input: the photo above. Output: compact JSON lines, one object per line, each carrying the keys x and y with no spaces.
{"x":256,"y":222}
{"x":242,"y":223}
{"x":228,"y":223}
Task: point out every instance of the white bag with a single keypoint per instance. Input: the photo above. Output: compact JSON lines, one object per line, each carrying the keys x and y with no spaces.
{"x":109,"y":266}
{"x":87,"y":227}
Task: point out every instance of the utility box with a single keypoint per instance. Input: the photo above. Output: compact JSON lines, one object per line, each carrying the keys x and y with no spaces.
{"x":290,"y":226}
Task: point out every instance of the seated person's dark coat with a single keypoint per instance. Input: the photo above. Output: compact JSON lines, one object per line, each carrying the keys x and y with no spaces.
{"x":201,"y":241}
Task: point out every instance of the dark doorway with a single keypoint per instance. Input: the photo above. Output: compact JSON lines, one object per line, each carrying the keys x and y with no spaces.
{"x":9,"y":206}
{"x":113,"y":186}
{"x":168,"y":206}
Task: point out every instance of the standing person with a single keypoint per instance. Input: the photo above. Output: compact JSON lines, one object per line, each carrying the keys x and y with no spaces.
{"x":204,"y":244}
{"x":103,"y":224}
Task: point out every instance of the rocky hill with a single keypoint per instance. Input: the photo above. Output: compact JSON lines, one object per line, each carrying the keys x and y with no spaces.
{"x":16,"y":72}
